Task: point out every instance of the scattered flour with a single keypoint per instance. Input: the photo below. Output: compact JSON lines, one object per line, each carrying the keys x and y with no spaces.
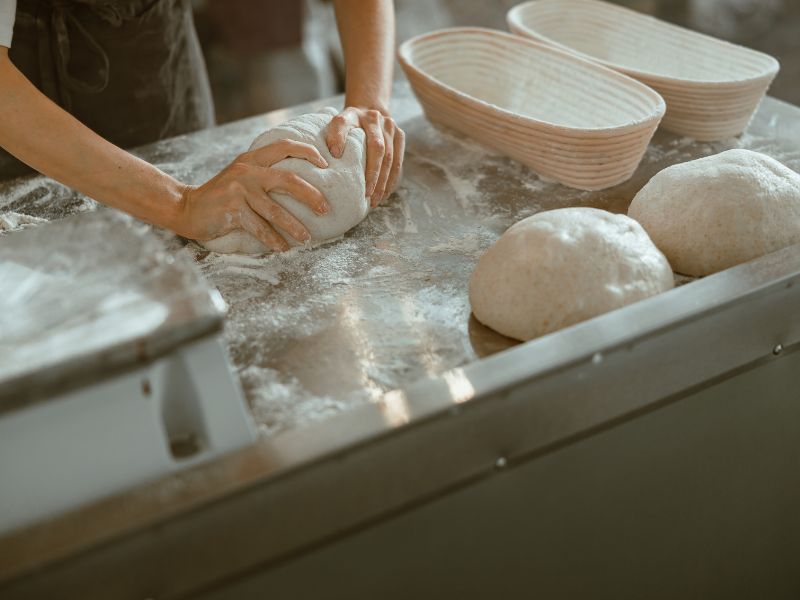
{"x":10,"y":221}
{"x":279,"y":401}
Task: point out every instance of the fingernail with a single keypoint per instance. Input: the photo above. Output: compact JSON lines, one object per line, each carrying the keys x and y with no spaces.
{"x":304,"y":236}
{"x":337,"y":151}
{"x":324,"y":209}
{"x":323,"y":163}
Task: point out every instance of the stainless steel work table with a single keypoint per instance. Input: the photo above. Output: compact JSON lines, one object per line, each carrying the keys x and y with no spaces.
{"x":375,"y":390}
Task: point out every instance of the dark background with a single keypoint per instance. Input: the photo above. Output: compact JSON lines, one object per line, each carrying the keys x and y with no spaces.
{"x":268,"y":54}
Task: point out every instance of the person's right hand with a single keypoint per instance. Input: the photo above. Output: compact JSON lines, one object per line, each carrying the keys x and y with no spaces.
{"x":238,"y":197}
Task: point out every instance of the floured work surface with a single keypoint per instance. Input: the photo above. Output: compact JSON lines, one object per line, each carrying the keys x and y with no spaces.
{"x":316,"y":331}
{"x":89,"y":296}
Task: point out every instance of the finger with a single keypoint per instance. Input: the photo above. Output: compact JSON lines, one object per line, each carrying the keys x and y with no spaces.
{"x":338,"y":129}
{"x":277,"y":216}
{"x":376,"y":148}
{"x":267,"y":156}
{"x":386,"y":165}
{"x":297,"y":187}
{"x":397,"y":163}
{"x":253,"y":224}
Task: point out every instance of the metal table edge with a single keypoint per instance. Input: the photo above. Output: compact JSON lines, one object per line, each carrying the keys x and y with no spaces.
{"x":271,"y":460}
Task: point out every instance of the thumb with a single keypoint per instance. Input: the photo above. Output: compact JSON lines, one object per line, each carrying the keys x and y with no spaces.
{"x":338,"y":128}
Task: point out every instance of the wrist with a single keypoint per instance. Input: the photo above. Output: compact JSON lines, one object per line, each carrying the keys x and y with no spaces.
{"x":172,"y":207}
{"x":368,"y":103}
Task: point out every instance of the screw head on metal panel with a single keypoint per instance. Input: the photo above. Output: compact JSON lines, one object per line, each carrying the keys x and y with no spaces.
{"x":501,"y":462}
{"x":777,"y":349}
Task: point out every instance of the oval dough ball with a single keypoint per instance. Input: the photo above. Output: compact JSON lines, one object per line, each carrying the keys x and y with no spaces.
{"x":712,"y":213}
{"x":564,"y":266}
{"x":342,"y":183}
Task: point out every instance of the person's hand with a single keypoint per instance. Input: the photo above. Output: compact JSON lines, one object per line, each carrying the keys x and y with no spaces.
{"x":386,"y":144}
{"x":238,"y":197}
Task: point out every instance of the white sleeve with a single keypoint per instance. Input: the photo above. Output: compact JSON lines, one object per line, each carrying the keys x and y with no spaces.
{"x":8,"y":10}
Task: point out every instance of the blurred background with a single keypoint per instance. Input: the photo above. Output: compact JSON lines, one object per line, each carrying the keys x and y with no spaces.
{"x":267,"y":54}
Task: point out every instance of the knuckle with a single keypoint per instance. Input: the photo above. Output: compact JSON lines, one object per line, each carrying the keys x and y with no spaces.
{"x":292,"y":179}
{"x":268,"y":178}
{"x":234,"y":188}
{"x":239,"y":168}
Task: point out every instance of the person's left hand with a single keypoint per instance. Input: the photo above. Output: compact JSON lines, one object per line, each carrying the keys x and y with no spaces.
{"x":386,"y":144}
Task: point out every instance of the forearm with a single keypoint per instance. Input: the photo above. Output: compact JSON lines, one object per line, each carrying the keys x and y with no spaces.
{"x":367,"y":31}
{"x":50,"y":140}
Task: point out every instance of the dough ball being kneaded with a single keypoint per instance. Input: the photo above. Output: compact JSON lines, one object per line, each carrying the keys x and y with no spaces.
{"x":564,"y":266}
{"x":342,"y":183}
{"x":712,"y":213}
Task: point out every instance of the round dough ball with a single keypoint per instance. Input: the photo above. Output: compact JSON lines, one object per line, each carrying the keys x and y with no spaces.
{"x":713,"y":213}
{"x":564,"y":266}
{"x":342,"y":183}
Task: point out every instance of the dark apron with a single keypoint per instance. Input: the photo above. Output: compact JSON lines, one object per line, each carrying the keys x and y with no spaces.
{"x":131,"y":70}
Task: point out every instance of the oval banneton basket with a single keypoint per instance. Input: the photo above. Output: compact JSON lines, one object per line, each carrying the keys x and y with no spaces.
{"x":567,"y":118}
{"x":712,"y":88}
